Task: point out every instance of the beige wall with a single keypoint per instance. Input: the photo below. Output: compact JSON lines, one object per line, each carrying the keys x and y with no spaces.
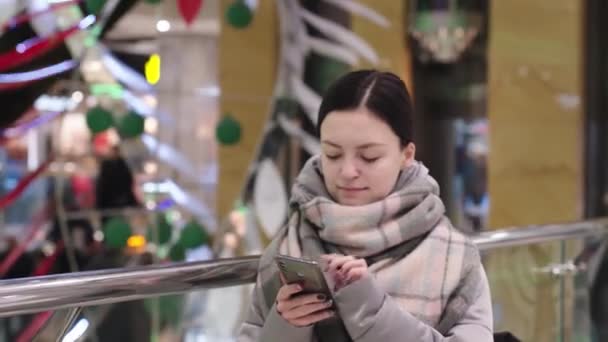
{"x":535,"y":163}
{"x":390,"y":43}
{"x":248,"y":62}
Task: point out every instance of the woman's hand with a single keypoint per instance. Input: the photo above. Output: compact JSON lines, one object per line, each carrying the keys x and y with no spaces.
{"x":302,"y":310}
{"x":344,"y":269}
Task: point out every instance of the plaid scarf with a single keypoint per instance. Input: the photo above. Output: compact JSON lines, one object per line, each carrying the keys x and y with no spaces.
{"x":416,"y":255}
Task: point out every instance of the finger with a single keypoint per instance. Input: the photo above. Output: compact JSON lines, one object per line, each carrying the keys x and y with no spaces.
{"x":355,"y":274}
{"x":313,"y":318}
{"x":295,"y":302}
{"x":337,"y":276}
{"x":286,"y":291}
{"x":306,"y":310}
{"x":282,"y":277}
{"x":326,"y":259}
{"x":352,"y":264}
{"x":338,"y":279}
{"x":337,"y":262}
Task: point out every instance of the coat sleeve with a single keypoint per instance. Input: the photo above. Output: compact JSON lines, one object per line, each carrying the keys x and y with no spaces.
{"x":379,"y":318}
{"x":273,"y":327}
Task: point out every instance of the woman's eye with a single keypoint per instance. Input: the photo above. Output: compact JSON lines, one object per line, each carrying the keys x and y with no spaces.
{"x":332,"y":157}
{"x":370,"y":160}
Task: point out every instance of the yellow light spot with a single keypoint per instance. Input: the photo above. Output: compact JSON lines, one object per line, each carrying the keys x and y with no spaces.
{"x":136,"y":241}
{"x":153,"y":69}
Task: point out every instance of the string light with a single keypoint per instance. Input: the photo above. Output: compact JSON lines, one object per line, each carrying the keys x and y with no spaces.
{"x":136,"y":241}
{"x":163,"y":25}
{"x":77,"y":96}
{"x":151,"y":126}
{"x":153,"y":69}
{"x":150,"y":168}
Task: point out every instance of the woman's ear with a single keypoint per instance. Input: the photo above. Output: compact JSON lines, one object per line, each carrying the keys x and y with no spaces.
{"x":409,"y":155}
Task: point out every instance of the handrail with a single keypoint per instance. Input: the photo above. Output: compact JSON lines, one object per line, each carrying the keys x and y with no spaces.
{"x":27,"y":295}
{"x":532,"y":234}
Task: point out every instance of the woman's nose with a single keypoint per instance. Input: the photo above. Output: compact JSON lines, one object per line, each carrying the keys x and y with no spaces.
{"x":349,"y":170}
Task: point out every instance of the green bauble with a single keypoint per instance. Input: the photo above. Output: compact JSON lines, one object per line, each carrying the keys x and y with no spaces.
{"x":228,"y":131}
{"x":116,"y":232}
{"x":239,"y":15}
{"x":131,"y":125}
{"x":177,"y":253}
{"x":99,"y":120}
{"x":94,"y":6}
{"x":193,"y":235}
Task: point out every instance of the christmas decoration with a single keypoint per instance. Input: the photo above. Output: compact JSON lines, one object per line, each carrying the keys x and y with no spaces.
{"x":239,"y":15}
{"x":21,"y":79}
{"x":99,"y":120}
{"x":95,"y":6}
{"x":116,"y":231}
{"x":131,"y":125}
{"x":269,"y":197}
{"x":193,"y":235}
{"x":177,"y":253}
{"x":36,"y":47}
{"x":228,"y":131}
{"x":161,"y":234}
{"x":189,"y":9}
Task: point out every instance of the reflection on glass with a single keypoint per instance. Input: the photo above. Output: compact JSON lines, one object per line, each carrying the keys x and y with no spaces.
{"x":470,"y":181}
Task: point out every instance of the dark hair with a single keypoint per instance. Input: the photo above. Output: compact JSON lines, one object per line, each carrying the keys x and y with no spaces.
{"x":383,"y":93}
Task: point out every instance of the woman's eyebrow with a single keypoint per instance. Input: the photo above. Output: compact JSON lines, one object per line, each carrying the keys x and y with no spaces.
{"x":327,"y":142}
{"x":369,"y":145}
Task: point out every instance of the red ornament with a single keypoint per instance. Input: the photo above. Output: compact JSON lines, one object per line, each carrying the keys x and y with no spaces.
{"x":102,"y":144}
{"x":189,"y":9}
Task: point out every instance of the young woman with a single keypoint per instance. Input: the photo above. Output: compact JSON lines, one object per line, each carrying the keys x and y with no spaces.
{"x":371,"y":214}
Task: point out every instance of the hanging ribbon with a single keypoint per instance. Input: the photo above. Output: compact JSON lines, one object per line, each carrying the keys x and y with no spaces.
{"x":35,"y":325}
{"x":41,"y":318}
{"x":189,"y":9}
{"x":46,"y":265}
{"x":22,"y":18}
{"x":125,"y":74}
{"x":26,"y":116}
{"x":23,"y":184}
{"x":21,"y":79}
{"x":39,"y":219}
{"x":21,"y":129}
{"x":35,"y":47}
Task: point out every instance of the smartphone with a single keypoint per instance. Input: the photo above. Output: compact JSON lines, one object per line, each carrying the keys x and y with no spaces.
{"x":304,"y":272}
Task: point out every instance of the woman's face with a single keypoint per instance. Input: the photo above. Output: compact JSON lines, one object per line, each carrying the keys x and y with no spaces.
{"x":361,"y":156}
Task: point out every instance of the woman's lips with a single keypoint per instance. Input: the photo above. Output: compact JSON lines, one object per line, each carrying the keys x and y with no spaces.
{"x":351,"y":190}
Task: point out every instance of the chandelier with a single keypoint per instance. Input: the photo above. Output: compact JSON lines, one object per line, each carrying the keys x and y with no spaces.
{"x":443,"y":35}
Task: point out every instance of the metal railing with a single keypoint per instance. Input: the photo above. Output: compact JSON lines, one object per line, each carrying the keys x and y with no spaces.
{"x":78,"y":289}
